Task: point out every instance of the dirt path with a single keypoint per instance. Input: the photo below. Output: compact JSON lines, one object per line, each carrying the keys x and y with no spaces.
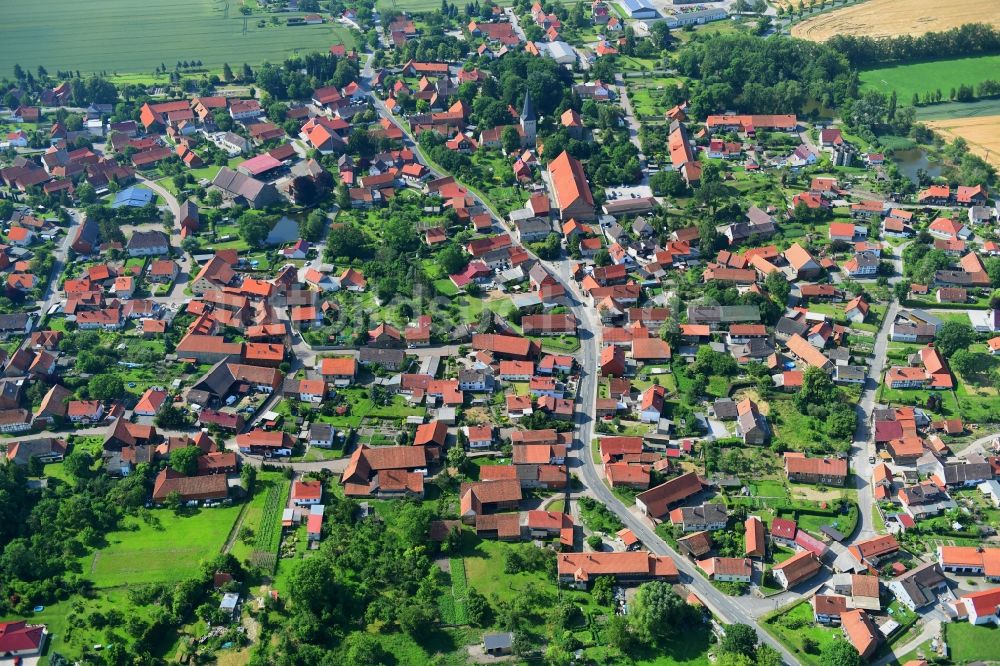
{"x":236,"y":529}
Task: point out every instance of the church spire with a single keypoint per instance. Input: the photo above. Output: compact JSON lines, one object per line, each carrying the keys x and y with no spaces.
{"x":528,"y":111}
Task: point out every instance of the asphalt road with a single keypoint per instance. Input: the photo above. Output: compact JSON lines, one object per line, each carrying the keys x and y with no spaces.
{"x":863,"y":446}
{"x":59,"y":258}
{"x":729,"y":609}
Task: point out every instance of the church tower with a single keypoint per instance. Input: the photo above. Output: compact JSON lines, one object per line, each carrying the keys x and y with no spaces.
{"x":528,"y":119}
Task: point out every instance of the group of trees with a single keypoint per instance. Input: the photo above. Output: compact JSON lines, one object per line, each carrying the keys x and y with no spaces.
{"x":366,"y":573}
{"x":387,"y":259}
{"x":756,"y":75}
{"x":739,"y":646}
{"x":44,"y":531}
{"x":297,"y":77}
{"x":820,"y":398}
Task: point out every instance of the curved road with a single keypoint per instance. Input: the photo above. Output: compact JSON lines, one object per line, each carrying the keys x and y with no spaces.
{"x":729,"y":609}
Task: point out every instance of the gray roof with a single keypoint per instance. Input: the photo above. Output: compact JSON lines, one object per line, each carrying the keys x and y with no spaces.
{"x":851,"y":372}
{"x":188,"y":209}
{"x":839,"y":354}
{"x":701,"y":314}
{"x":642,"y":226}
{"x":920,"y":583}
{"x":323,"y":431}
{"x":498,"y":641}
{"x":469,"y":376}
{"x":12,"y":387}
{"x":35,"y":448}
{"x":967,"y":472}
{"x":236,"y":140}
{"x":758,"y":217}
{"x":238,"y":184}
{"x":953,"y":277}
{"x":725,"y":409}
{"x":527,"y":111}
{"x":533,"y":225}
{"x":629,"y":205}
{"x":707,"y":513}
{"x":754,"y":348}
{"x":909,"y":328}
{"x":751,"y":420}
{"x":866,"y":259}
{"x":143,"y":240}
{"x":921,"y":316}
{"x":381,"y":356}
{"x":790,"y":327}
{"x":219,"y":381}
{"x":16,"y":321}
{"x":614,"y":231}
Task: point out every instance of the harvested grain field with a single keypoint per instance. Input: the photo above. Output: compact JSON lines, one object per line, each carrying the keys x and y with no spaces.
{"x":982,"y":134}
{"x":890,"y":18}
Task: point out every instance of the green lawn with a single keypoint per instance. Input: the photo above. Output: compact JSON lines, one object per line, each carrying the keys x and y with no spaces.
{"x":105,"y":36}
{"x":445,"y":287}
{"x":408,"y":5}
{"x":977,"y":401}
{"x":560,"y":344}
{"x":484,"y":563}
{"x":792,"y":626}
{"x":361,"y":407}
{"x":901,"y":397}
{"x":167,"y":550}
{"x":971,"y":643}
{"x":812,"y":522}
{"x":769,"y":489}
{"x":924,"y":77}
{"x":648,"y":95}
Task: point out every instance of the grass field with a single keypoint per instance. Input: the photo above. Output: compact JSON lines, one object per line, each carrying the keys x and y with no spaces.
{"x":106,"y":35}
{"x":982,"y":134}
{"x":796,"y":624}
{"x":970,"y":643}
{"x":889,"y":18}
{"x":977,"y":109}
{"x":924,"y":77}
{"x":167,"y":550}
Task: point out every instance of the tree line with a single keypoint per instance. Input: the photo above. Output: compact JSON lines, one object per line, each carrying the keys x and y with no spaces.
{"x":972,"y":39}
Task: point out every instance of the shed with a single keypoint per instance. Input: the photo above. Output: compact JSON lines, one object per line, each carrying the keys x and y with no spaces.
{"x":498,"y":644}
{"x":832,"y":533}
{"x":230,"y":600}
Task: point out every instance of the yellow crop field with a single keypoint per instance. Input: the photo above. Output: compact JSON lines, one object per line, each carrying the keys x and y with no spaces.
{"x":982,"y":134}
{"x":890,"y":18}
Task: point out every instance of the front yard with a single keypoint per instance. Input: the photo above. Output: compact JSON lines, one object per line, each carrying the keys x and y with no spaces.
{"x":971,"y":643}
{"x":795,"y":625}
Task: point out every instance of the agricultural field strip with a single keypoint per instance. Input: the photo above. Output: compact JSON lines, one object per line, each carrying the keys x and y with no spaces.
{"x":921,"y":77}
{"x":981,"y":133}
{"x":101,"y":36}
{"x":890,"y":18}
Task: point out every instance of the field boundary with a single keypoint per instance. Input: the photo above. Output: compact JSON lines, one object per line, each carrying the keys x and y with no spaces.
{"x":454,"y":609}
{"x":268,"y":537}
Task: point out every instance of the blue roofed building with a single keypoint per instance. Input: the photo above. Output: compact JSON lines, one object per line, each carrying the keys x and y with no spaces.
{"x":640,"y":9}
{"x":137,"y":197}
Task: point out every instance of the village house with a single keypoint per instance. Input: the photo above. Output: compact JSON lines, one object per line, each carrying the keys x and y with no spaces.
{"x":827,"y":471}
